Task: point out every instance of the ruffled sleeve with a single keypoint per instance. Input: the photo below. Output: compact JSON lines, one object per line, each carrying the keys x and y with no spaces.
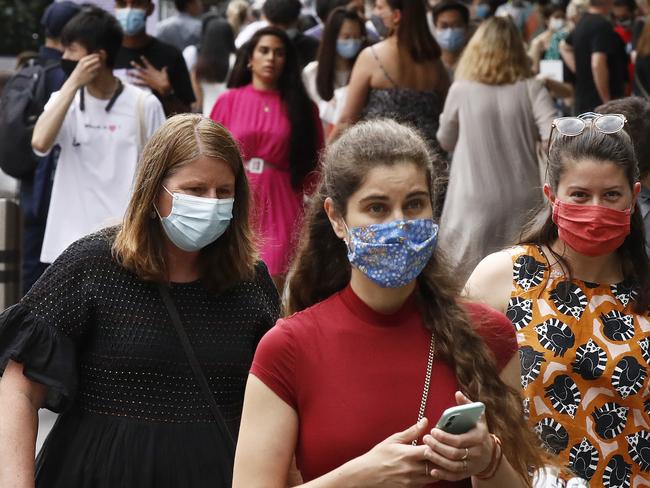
{"x":48,"y":357}
{"x":43,"y":331}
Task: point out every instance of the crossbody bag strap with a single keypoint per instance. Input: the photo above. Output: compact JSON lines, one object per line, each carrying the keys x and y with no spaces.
{"x":196,"y":367}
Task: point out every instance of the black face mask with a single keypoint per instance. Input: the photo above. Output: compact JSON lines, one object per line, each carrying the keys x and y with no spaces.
{"x":68,"y":66}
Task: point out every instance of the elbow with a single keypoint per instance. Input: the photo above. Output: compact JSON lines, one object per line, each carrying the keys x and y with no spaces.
{"x":39,"y":146}
{"x":447,"y":143}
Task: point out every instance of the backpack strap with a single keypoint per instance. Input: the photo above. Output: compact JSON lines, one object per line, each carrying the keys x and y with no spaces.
{"x":141,"y":122}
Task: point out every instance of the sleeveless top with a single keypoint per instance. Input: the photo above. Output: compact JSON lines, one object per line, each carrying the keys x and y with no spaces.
{"x":584,"y":360}
{"x":405,"y":105}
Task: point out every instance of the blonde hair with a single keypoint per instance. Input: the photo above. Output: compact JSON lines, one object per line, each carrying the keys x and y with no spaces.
{"x":495,"y":55}
{"x":576,"y":8}
{"x":236,"y":14}
{"x":138,"y":245}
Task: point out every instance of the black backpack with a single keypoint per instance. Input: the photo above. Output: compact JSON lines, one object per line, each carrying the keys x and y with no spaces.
{"x":22,"y":102}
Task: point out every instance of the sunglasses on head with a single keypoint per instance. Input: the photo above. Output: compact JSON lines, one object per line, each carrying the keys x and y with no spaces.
{"x":574,"y":126}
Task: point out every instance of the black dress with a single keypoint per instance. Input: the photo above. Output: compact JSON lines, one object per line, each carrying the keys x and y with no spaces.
{"x":101,"y":341}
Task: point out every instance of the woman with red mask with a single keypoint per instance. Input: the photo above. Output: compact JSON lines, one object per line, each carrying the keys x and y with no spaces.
{"x":577,"y":290}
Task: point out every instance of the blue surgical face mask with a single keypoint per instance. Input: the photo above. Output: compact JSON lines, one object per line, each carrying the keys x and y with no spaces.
{"x":196,"y":222}
{"x":451,"y":39}
{"x":348,"y":48}
{"x":392,"y":254}
{"x":380,"y":27}
{"x":482,"y":11}
{"x":132,"y":20}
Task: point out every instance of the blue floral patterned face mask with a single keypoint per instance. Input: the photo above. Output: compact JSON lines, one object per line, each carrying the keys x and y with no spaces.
{"x":394,"y":253}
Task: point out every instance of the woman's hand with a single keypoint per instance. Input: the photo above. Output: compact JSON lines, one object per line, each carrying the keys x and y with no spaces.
{"x":456,"y":457}
{"x":395,"y":462}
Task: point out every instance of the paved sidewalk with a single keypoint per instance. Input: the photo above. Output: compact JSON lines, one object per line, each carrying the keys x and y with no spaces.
{"x":46,"y":420}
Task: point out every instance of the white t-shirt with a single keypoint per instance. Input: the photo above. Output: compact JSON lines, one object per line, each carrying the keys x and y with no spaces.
{"x":99,"y":156}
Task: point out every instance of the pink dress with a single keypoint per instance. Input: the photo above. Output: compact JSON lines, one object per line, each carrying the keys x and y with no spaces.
{"x":258,"y":120}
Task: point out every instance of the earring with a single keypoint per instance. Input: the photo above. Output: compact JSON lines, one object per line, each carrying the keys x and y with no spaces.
{"x":153,"y":214}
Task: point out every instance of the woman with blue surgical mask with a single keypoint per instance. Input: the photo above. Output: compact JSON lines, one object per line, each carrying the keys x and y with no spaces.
{"x":327,"y":78}
{"x":142,"y":335}
{"x":379,"y":344}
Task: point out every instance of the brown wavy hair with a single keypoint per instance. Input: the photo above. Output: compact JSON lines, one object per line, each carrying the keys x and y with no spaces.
{"x":138,"y":245}
{"x":593,"y":145}
{"x":495,"y":55}
{"x":413,"y":35}
{"x":321,"y":268}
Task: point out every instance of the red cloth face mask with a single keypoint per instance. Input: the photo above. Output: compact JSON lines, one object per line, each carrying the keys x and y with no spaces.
{"x":591,"y":230}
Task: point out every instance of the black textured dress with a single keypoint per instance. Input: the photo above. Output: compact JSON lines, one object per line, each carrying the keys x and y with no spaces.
{"x":101,"y":340}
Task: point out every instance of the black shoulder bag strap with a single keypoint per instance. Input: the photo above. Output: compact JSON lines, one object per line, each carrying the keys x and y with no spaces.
{"x":196,"y":367}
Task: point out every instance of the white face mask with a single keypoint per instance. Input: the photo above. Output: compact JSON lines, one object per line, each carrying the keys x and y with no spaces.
{"x":196,"y":222}
{"x":556,"y":24}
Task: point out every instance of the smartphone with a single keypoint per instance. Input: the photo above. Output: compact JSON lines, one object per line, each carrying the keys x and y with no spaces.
{"x":460,"y":419}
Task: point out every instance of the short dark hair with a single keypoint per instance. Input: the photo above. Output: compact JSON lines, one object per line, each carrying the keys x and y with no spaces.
{"x":282,"y":12}
{"x":552,"y":8}
{"x":637,"y":113}
{"x":94,"y":28}
{"x":631,"y":4}
{"x":447,"y":5}
{"x":325,"y":7}
{"x":181,"y":5}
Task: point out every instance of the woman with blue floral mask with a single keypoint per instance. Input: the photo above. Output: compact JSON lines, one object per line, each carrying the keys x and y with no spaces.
{"x":327,"y":78}
{"x":377,"y":333}
{"x":142,"y":335}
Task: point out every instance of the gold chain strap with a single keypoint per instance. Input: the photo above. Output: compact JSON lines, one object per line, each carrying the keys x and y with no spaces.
{"x":427,"y":382}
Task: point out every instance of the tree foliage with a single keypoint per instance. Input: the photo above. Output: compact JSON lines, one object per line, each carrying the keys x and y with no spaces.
{"x":20,"y":28}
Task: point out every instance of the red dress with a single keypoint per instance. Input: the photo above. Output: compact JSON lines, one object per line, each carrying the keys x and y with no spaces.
{"x":259,"y":122}
{"x":355,"y":376}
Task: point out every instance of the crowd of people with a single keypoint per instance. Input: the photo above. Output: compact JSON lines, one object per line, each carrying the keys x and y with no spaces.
{"x":271,"y":244}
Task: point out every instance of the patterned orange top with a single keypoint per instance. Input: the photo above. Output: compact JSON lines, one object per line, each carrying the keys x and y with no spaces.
{"x":584,"y":360}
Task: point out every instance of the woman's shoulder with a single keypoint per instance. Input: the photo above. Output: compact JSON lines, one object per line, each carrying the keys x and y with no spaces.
{"x":232,"y":94}
{"x":491,"y":280}
{"x":308,"y":318}
{"x":93,"y":246}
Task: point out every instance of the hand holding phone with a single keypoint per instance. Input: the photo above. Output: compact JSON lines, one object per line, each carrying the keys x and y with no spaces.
{"x":461,"y":418}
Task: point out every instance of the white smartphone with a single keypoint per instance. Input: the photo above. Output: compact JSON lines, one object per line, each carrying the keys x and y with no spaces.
{"x":460,"y":419}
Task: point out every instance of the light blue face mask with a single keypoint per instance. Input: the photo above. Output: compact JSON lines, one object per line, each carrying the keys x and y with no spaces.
{"x":196,"y":222}
{"x":348,"y":48}
{"x":482,"y":11}
{"x":392,"y":254}
{"x":132,"y":20}
{"x":451,"y":39}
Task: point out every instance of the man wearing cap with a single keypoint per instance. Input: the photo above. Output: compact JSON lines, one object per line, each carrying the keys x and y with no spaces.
{"x":35,"y":191}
